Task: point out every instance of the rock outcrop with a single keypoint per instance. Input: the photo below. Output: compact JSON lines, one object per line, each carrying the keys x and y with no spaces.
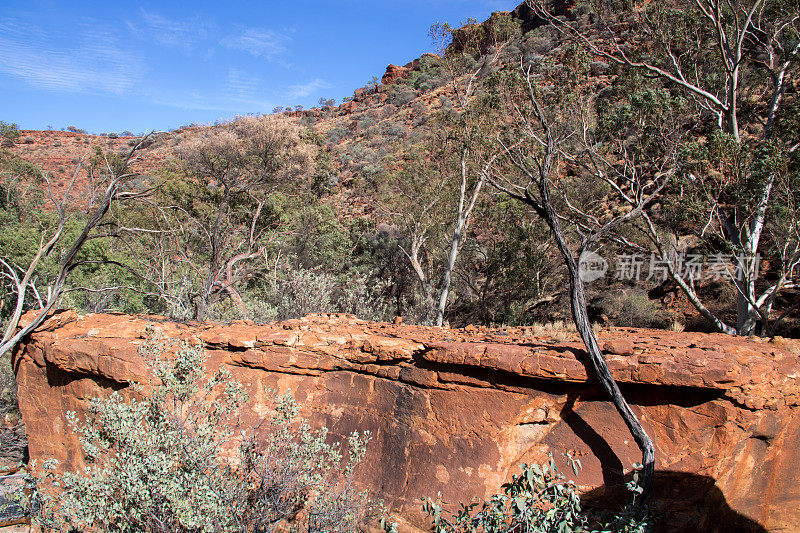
{"x":396,"y":72}
{"x":393,"y":73}
{"x":455,"y":411}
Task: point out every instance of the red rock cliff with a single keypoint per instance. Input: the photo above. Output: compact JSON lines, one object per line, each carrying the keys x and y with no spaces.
{"x":456,"y":411}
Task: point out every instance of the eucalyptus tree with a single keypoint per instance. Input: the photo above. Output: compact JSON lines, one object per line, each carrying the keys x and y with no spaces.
{"x":736,"y":64}
{"x":459,"y":150}
{"x":536,"y":147}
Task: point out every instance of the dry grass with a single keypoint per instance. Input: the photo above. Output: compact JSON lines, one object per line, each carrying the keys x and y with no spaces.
{"x":676,"y":326}
{"x":558,"y":330}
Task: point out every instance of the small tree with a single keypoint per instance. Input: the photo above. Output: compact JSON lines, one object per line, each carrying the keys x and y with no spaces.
{"x":220,"y":215}
{"x":418,"y":194}
{"x":175,"y":458}
{"x":116,"y":182}
{"x":373,"y":84}
{"x":535,"y":147}
{"x":9,"y":131}
{"x":459,"y":153}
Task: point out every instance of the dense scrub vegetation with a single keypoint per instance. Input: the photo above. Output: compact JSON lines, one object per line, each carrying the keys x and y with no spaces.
{"x":385,"y":206}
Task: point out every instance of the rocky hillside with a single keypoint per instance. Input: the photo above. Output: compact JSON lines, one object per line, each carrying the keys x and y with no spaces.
{"x":390,"y":109}
{"x":382,"y":152}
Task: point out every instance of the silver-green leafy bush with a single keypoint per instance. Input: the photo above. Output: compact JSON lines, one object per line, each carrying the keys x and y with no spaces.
{"x":176,"y":459}
{"x":539,"y":500}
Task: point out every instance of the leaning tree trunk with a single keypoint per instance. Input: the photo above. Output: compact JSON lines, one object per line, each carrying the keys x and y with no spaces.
{"x":581,"y":317}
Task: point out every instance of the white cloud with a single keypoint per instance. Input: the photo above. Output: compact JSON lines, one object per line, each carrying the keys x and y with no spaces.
{"x":96,"y":64}
{"x":307,"y":89}
{"x":257,"y":41}
{"x":174,"y":33}
{"x":195,"y":101}
{"x":241,"y":85}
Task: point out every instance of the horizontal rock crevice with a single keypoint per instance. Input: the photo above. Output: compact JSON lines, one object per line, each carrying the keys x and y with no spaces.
{"x":457,"y":410}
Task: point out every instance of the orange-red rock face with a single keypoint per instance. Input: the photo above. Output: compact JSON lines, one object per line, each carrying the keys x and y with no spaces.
{"x":394,"y":72}
{"x":455,"y":412}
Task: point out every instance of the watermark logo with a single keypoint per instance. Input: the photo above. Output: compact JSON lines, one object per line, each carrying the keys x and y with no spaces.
{"x":689,"y":267}
{"x":591,"y":267}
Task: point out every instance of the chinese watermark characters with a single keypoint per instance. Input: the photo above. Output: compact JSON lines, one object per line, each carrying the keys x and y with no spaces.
{"x":689,"y":267}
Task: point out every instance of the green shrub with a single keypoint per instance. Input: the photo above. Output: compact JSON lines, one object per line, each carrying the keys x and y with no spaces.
{"x":399,"y":95}
{"x":321,"y":240}
{"x":635,"y":309}
{"x":176,"y":459}
{"x":9,"y":131}
{"x":366,"y":123}
{"x":305,"y":291}
{"x":632,"y":308}
{"x":394,"y":130}
{"x":360,"y":294}
{"x":337,"y":133}
{"x":540,"y":499}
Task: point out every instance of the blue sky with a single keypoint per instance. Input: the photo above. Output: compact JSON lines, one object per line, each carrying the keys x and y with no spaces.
{"x":125,"y":65}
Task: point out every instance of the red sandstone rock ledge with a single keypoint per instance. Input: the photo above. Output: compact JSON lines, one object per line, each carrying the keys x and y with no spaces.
{"x":455,"y":411}
{"x":755,"y":373}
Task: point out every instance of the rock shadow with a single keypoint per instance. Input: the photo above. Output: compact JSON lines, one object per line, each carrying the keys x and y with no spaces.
{"x":681,"y":501}
{"x":611,"y":466}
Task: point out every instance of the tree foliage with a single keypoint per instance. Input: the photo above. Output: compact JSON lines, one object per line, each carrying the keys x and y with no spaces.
{"x":540,"y":499}
{"x":727,"y":68}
